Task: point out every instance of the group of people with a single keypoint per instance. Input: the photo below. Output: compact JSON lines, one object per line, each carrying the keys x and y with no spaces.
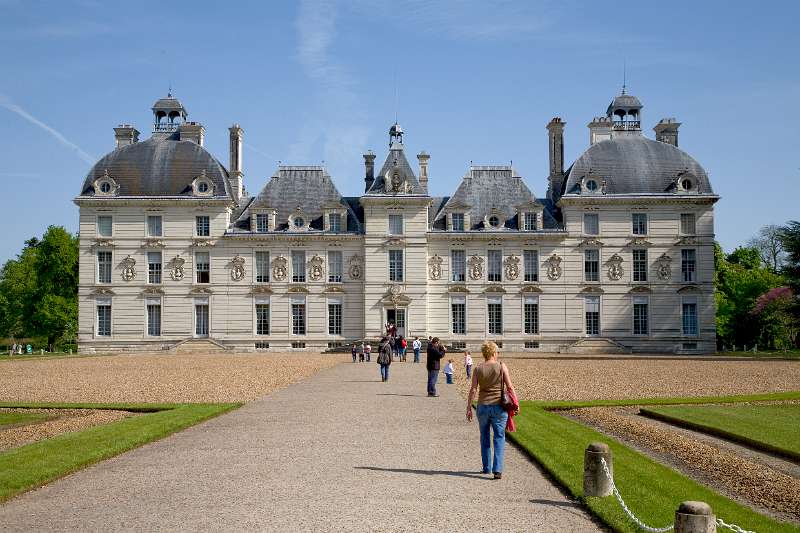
{"x":16,"y":348}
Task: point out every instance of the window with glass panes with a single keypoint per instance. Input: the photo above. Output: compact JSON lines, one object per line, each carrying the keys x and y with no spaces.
{"x":105,"y":225}
{"x":153,"y":267}
{"x":494,"y":308}
{"x":202,"y":226}
{"x":262,"y":316}
{"x":689,"y":265}
{"x":457,"y":221}
{"x":395,"y":265}
{"x":689,"y":316}
{"x":104,"y":267}
{"x":298,"y":266}
{"x":298,"y":316}
{"x":262,"y":222}
{"x":262,"y":267}
{"x":529,"y":223}
{"x":334,"y":317}
{"x":639,"y":221}
{"x":154,"y":317}
{"x":335,"y":267}
{"x":530,"y":259}
{"x":592,"y":310}
{"x":641,"y":316}
{"x":458,"y":265}
{"x":154,"y":228}
{"x":530,"y":314}
{"x":494,"y":270}
{"x":591,"y":224}
{"x":104,"y":317}
{"x":639,"y":265}
{"x":202,"y":267}
{"x":395,"y":224}
{"x":688,"y":226}
{"x":458,"y":312}
{"x":334,"y":222}
{"x":591,"y":265}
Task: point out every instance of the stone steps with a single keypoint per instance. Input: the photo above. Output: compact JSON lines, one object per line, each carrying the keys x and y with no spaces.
{"x":591,"y":345}
{"x":189,"y":346}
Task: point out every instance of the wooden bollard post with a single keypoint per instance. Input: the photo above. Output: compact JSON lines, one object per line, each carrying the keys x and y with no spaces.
{"x":595,"y":480}
{"x":695,"y":517}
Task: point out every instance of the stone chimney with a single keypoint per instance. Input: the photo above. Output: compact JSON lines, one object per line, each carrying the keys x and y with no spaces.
{"x":600,"y":129}
{"x":125,"y":134}
{"x":369,"y":170}
{"x":555,"y":133}
{"x":667,"y":131}
{"x":193,"y":131}
{"x":423,"y":158}
{"x":235,"y":168}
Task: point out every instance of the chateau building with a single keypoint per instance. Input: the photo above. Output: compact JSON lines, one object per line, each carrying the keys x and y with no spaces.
{"x":618,"y":256}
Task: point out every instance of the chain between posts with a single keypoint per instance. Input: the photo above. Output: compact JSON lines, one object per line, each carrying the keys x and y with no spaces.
{"x":732,"y":527}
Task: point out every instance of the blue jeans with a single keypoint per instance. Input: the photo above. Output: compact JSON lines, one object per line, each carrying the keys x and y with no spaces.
{"x":433,"y":377}
{"x":416,"y":356}
{"x":385,"y":372}
{"x":449,"y":378}
{"x":469,"y":371}
{"x":492,"y":418}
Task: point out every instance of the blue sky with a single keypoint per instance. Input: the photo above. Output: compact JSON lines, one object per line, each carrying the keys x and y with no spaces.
{"x":475,"y":81}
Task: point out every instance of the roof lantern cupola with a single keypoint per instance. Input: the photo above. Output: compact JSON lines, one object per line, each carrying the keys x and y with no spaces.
{"x":625,"y":112}
{"x":395,"y":136}
{"x":168,"y":114}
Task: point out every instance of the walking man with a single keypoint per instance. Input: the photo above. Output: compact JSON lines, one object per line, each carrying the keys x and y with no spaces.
{"x":417,"y":346}
{"x":435,"y":353}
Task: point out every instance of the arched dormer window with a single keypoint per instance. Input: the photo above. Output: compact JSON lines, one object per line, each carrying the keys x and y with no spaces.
{"x":686,"y":183}
{"x":298,"y":221}
{"x":494,"y":220}
{"x":105,"y":185}
{"x":202,"y":185}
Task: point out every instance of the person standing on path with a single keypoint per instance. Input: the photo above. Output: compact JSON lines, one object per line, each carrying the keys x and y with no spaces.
{"x":468,"y":364}
{"x":417,"y":346}
{"x":448,"y":371}
{"x":435,"y":353}
{"x":385,"y":358}
{"x":354,"y":351}
{"x":490,"y":377}
{"x":368,"y":351}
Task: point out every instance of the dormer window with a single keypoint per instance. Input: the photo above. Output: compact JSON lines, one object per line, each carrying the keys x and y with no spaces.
{"x":529,"y":222}
{"x":591,"y":185}
{"x":202,"y":186}
{"x":494,"y":221}
{"x":457,"y":221}
{"x":686,"y":182}
{"x":299,"y":222}
{"x":262,"y":222}
{"x":105,"y":185}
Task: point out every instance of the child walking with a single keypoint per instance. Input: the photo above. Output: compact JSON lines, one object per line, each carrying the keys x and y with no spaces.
{"x":448,"y":371}
{"x":468,"y":364}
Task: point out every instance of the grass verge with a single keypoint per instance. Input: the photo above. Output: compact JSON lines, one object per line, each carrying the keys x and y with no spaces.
{"x":33,"y":465}
{"x":652,"y":491}
{"x":768,"y":354}
{"x":16,"y":419}
{"x":772,"y":428}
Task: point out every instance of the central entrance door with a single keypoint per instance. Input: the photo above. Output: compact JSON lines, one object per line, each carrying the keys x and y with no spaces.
{"x":201,"y":319}
{"x":398,"y":317}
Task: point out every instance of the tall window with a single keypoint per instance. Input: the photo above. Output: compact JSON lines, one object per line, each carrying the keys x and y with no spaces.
{"x":591,"y":224}
{"x":689,"y":316}
{"x":529,"y":223}
{"x":154,"y":228}
{"x":591,"y":265}
{"x":688,"y":226}
{"x":154,"y":267}
{"x":592,"y":306}
{"x":395,"y":224}
{"x":457,"y":221}
{"x":335,"y":222}
{"x":639,"y":221}
{"x":639,"y":265}
{"x":262,"y":222}
{"x":105,"y":225}
{"x":458,"y":264}
{"x":334,"y":317}
{"x":689,"y":265}
{"x":202,"y":267}
{"x":298,"y":315}
{"x":154,"y":317}
{"x":530,"y":259}
{"x":495,"y":313}
{"x":458,"y":311}
{"x":104,"y":267}
{"x":640,"y":316}
{"x":202,"y":226}
{"x":262,"y":317}
{"x":335,"y":267}
{"x":298,"y":266}
{"x":262,"y":267}
{"x":202,"y":317}
{"x":530,"y":314}
{"x":395,"y":265}
{"x":104,"y":317}
{"x":494,"y":270}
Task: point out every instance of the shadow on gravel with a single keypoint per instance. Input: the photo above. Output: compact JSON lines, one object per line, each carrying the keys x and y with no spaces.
{"x":408,"y":395}
{"x":425,"y":472}
{"x":573,"y":508}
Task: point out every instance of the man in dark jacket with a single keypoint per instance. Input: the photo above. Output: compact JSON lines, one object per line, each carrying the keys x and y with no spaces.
{"x":435,"y":353}
{"x":385,"y":358}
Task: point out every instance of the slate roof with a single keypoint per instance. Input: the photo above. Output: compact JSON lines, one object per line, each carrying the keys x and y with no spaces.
{"x":160,"y":166}
{"x":170,"y":103}
{"x":634,"y":164}
{"x":624,"y":101}
{"x":395,"y":160}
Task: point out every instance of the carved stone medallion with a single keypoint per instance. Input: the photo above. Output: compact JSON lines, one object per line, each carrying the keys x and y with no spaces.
{"x":129,"y":268}
{"x":475,"y":267}
{"x":435,"y":267}
{"x":176,"y":268}
{"x":615,"y":270}
{"x":664,"y":269}
{"x":316,"y":268}
{"x":279,"y":270}
{"x":356,"y":270}
{"x":512,"y":267}
{"x":553,"y":267}
{"x":237,"y":268}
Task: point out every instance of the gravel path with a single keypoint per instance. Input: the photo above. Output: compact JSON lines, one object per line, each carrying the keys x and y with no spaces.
{"x":65,"y":421}
{"x":340,"y":451}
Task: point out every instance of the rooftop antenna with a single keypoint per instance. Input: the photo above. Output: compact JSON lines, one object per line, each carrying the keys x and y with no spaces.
{"x":624,"y":76}
{"x":169,"y":91}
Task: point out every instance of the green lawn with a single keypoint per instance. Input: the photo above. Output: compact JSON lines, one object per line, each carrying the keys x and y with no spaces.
{"x":775,"y":428}
{"x":35,"y":464}
{"x":15,"y":419}
{"x":652,"y":490}
{"x":766,"y":354}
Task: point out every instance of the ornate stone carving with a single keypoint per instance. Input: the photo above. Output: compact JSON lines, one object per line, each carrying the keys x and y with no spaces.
{"x":395,"y":241}
{"x":664,"y":270}
{"x":512,"y":267}
{"x":176,"y":268}
{"x":129,"y":268}
{"x":102,"y":291}
{"x":237,"y":268}
{"x":261,"y":289}
{"x":590,"y":241}
{"x":553,"y":267}
{"x":457,"y":288}
{"x":395,"y":296}
{"x":497,"y":289}
{"x":475,"y":267}
{"x":615,"y":270}
{"x":688,"y":240}
{"x":356,"y":268}
{"x":202,"y":242}
{"x":527,"y":289}
{"x":154,"y":242}
{"x":279,"y":270}
{"x":103,"y":243}
{"x":153,"y":291}
{"x":316,"y":268}
{"x":298,"y":289}
{"x":640,"y":241}
{"x":435,"y":267}
{"x":201,"y":290}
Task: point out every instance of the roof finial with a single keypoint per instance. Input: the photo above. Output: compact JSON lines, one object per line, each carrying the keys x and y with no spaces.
{"x":169,"y":91}
{"x":624,"y":76}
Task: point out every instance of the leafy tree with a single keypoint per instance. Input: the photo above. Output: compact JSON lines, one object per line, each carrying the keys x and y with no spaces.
{"x":770,"y":246}
{"x":778,"y":325}
{"x":748,"y":257}
{"x":790,"y":239}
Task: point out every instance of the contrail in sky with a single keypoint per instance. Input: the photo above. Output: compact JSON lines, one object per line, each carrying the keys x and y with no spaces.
{"x":14,"y":108}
